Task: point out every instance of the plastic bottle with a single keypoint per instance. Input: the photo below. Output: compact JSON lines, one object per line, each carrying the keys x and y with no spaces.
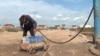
{"x":27,"y":40}
{"x":24,"y":40}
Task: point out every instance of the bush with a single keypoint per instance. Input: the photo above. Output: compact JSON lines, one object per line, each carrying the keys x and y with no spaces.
{"x":12,"y":29}
{"x":52,"y":28}
{"x":84,"y":30}
{"x":1,"y":30}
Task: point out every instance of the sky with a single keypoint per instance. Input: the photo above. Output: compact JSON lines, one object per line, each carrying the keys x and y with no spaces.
{"x":47,"y":12}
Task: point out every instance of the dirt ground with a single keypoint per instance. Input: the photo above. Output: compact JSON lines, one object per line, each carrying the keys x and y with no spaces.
{"x":9,"y":42}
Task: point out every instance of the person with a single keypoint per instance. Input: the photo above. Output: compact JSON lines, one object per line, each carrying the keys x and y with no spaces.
{"x":28,"y":24}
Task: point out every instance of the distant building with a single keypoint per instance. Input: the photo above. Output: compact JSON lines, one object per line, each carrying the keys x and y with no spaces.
{"x":57,"y":26}
{"x":87,"y":26}
{"x":42,"y":27}
{"x":75,"y":26}
{"x":63,"y":26}
{"x":80,"y":26}
{"x":8,"y":25}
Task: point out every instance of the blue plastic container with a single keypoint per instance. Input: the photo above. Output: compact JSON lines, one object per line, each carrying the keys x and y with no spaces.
{"x":33,"y":39}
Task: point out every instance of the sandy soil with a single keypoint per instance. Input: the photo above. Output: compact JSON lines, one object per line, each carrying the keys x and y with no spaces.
{"x":9,"y":42}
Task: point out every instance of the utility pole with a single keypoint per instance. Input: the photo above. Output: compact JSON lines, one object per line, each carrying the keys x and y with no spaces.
{"x":95,"y":49}
{"x":96,"y":4}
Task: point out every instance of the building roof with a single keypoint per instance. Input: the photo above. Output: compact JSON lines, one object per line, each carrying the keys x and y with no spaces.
{"x":8,"y":25}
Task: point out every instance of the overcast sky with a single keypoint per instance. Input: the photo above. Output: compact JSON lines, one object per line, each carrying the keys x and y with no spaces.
{"x":47,"y":12}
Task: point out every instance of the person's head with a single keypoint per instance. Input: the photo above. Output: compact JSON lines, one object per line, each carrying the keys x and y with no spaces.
{"x":24,"y":18}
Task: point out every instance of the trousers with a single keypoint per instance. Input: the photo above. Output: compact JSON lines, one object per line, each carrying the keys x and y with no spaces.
{"x":31,"y":30}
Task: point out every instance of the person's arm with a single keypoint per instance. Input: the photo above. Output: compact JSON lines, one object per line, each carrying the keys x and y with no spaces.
{"x":21,"y":24}
{"x":33,"y":21}
{"x":35,"y":24}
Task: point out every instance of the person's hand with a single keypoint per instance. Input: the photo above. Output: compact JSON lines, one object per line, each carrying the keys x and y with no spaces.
{"x":35,"y":30}
{"x":21,"y":27}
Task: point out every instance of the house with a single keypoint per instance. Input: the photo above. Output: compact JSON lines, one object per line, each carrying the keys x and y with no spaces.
{"x":87,"y":26}
{"x":41,"y":26}
{"x":57,"y":27}
{"x":74,"y":26}
{"x":8,"y":25}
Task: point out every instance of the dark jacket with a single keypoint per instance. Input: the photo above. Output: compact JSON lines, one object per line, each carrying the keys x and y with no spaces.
{"x":31,"y":23}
